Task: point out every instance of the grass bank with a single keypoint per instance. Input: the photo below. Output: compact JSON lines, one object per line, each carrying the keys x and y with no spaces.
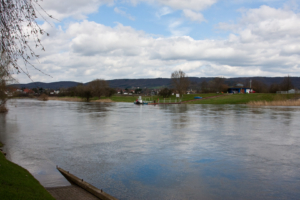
{"x":17,"y":183}
{"x":1,"y":145}
{"x":186,"y":97}
{"x":245,"y":98}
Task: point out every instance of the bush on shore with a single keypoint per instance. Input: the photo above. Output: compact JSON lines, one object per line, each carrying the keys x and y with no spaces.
{"x":43,"y":97}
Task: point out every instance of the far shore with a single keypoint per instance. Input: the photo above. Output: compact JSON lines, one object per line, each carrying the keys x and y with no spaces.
{"x":76,"y":99}
{"x":255,"y":99}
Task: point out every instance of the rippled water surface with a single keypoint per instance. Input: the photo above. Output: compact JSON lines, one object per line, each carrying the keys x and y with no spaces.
{"x":159,"y":152}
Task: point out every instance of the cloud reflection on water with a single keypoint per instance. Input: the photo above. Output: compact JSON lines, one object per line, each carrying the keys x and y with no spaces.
{"x":168,"y":151}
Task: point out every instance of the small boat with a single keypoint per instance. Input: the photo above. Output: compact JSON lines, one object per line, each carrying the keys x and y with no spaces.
{"x":139,"y":101}
{"x":197,"y":97}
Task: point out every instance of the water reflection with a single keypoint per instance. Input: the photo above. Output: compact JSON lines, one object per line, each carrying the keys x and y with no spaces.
{"x":178,"y":115}
{"x":160,"y":152}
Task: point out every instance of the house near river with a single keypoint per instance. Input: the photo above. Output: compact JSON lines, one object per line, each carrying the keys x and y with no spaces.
{"x":237,"y":90}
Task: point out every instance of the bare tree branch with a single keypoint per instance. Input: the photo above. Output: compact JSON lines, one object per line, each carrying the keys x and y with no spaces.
{"x":18,"y":27}
{"x":180,"y":81}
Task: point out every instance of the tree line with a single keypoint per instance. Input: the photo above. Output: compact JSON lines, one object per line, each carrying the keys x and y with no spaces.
{"x":180,"y":84}
{"x":97,"y":88}
{"x":220,"y":85}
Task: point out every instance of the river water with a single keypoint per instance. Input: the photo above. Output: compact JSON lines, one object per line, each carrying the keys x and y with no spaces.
{"x":159,"y":152}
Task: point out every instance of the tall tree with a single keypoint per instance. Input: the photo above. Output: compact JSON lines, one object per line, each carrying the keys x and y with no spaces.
{"x":165,"y":93}
{"x":84,"y":92}
{"x":180,"y":82}
{"x":19,"y":34}
{"x":218,"y":85}
{"x":204,"y":87}
{"x":286,"y":84}
{"x":110,"y":91}
{"x":259,"y":86}
{"x":274,"y":88}
{"x":98,"y":87}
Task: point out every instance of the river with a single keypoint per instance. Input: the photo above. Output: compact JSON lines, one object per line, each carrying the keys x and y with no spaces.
{"x":159,"y":152}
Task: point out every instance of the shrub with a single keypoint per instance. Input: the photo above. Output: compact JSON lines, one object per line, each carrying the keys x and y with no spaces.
{"x":43,"y":97}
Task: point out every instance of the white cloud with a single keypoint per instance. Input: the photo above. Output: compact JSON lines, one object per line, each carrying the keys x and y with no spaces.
{"x":194,"y":16}
{"x":123,"y":13}
{"x":79,"y":9}
{"x":264,"y":43}
{"x":176,"y":29}
{"x":196,"y":5}
{"x":266,"y":23}
{"x":73,"y":8}
{"x":163,"y":11}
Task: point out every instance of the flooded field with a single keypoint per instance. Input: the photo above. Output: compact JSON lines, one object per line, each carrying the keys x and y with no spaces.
{"x":159,"y":152}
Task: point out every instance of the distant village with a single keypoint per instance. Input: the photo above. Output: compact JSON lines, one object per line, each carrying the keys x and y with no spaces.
{"x":217,"y":85}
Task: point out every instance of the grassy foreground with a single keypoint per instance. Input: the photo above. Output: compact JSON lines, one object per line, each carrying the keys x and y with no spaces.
{"x":17,"y":183}
{"x":245,"y":98}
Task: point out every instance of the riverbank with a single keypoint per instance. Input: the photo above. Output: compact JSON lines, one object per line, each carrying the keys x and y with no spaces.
{"x":247,"y":98}
{"x":132,"y":98}
{"x":251,"y":99}
{"x":275,"y":103}
{"x":77,"y":99}
{"x":17,"y":183}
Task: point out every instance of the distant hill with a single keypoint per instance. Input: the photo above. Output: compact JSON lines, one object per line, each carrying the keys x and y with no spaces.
{"x":53,"y":85}
{"x":157,"y":82}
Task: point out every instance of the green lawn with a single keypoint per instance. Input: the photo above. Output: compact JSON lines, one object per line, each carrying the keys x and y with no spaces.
{"x":17,"y":183}
{"x":122,"y":98}
{"x":1,"y":145}
{"x":243,"y":98}
{"x":187,"y":97}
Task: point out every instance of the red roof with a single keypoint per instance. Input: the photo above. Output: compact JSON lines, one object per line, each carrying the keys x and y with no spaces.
{"x":28,"y":91}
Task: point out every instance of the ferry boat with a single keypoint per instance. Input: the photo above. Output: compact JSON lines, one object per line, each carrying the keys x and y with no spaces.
{"x":139,"y":101}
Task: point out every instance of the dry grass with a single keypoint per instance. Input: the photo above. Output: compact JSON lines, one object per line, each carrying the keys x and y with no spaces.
{"x":275,"y":103}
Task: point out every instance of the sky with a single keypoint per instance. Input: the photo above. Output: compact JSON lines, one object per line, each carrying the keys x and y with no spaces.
{"x":116,"y":39}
